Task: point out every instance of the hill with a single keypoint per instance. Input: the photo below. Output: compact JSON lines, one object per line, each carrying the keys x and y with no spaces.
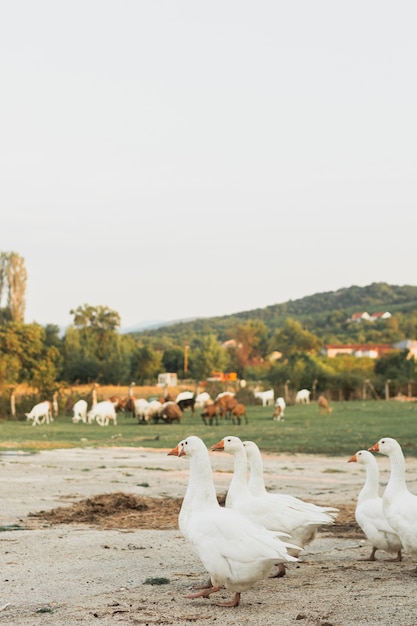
{"x":324,"y":314}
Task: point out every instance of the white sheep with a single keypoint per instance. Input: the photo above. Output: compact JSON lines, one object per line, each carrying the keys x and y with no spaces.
{"x":267,"y":397}
{"x":140,"y":409}
{"x":80,"y":411}
{"x":303,"y":396}
{"x":103,"y":412}
{"x":41,"y":413}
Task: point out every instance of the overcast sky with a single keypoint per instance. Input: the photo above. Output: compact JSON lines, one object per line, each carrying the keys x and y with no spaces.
{"x":177,"y":159}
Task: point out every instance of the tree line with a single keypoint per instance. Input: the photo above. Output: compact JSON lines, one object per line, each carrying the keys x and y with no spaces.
{"x":93,"y":349}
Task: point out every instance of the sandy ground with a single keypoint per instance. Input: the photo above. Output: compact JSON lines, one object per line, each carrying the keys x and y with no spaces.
{"x":86,"y":573}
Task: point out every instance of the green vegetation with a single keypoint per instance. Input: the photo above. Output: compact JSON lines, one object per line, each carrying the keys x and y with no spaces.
{"x":271,"y":346}
{"x":351,"y":426}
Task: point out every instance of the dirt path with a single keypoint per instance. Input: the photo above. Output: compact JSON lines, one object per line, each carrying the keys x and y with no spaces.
{"x":98,"y":570}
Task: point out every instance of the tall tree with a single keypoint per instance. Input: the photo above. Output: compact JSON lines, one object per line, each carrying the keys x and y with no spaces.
{"x":13,"y":279}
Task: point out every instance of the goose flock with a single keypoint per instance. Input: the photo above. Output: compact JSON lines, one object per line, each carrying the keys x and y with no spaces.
{"x":240,"y":544}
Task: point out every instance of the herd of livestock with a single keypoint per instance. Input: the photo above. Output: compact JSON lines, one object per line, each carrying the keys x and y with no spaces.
{"x":168,"y":410}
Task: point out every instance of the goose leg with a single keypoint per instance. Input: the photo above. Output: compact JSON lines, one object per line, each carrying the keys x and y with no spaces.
{"x":234,"y":602}
{"x":280,"y":571}
{"x":204,"y":593}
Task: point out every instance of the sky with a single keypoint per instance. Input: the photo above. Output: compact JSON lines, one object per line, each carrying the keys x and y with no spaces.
{"x":173,"y":159}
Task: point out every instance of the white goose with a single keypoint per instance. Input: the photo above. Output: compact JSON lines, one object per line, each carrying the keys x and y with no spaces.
{"x":256,"y":485}
{"x":287,"y":515}
{"x":400,"y":505}
{"x":369,"y":512}
{"x":235,"y":551}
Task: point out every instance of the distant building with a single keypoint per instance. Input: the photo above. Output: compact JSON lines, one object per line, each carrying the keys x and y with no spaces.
{"x":167,"y":379}
{"x":407,"y":344}
{"x":373,"y":350}
{"x":365,"y":316}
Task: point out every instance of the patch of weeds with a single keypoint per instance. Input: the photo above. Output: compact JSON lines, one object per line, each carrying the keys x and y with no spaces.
{"x":156,"y":469}
{"x":333,"y":471}
{"x":142,"y":485}
{"x":157,"y":581}
{"x":127,"y":474}
{"x":86,"y":469}
{"x":44,"y":609}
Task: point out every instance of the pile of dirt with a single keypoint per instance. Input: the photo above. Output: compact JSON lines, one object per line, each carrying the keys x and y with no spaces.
{"x":128,"y":511}
{"x":117,"y":510}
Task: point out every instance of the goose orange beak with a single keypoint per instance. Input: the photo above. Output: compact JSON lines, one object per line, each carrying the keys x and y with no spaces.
{"x":352,"y":459}
{"x":374,"y":448}
{"x":173,"y":452}
{"x":218,"y":446}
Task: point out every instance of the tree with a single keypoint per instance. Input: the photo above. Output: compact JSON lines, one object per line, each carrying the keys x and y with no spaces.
{"x":95,"y":317}
{"x":207,"y":356}
{"x":292,"y":338}
{"x":13,"y":278}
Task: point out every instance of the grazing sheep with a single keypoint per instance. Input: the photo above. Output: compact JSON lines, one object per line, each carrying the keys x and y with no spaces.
{"x":267,"y":397}
{"x":170,"y":412}
{"x":239,"y":411}
{"x":210,"y":413}
{"x":41,"y":413}
{"x":303,"y":396}
{"x":80,"y":411}
{"x":225,"y":403}
{"x":140,"y":409}
{"x":152,"y":411}
{"x":323,"y":405}
{"x":103,"y":412}
{"x":186,"y":400}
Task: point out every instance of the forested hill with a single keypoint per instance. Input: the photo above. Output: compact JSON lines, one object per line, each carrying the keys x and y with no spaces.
{"x":324,"y":314}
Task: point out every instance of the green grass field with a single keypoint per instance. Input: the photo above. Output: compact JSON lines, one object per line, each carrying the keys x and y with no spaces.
{"x":351,"y":426}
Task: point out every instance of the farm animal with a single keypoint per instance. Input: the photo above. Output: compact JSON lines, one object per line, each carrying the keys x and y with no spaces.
{"x":324,"y":406}
{"x":170,"y":412}
{"x":202,"y":399}
{"x":236,"y":552}
{"x":103,"y":412}
{"x":41,"y":413}
{"x":296,"y":519}
{"x":266,"y":397}
{"x":303,"y":396}
{"x":225,"y":403}
{"x":186,"y":400}
{"x":369,"y":512}
{"x":151,"y":412}
{"x":280,"y":406}
{"x":80,"y":411}
{"x":210,"y":413}
{"x":238,"y":412}
{"x":140,"y":405}
{"x":400,"y":505}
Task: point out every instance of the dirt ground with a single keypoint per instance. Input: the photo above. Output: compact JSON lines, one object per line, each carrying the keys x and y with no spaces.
{"x":91,"y":537}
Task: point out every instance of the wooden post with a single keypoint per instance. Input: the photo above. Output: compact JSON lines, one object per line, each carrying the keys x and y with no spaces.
{"x":286,"y":390}
{"x":94,"y":395}
{"x":186,"y":348}
{"x":314,"y":389}
{"x":55,"y":404}
{"x":131,"y":394}
{"x":13,"y":405}
{"x":387,"y":382}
